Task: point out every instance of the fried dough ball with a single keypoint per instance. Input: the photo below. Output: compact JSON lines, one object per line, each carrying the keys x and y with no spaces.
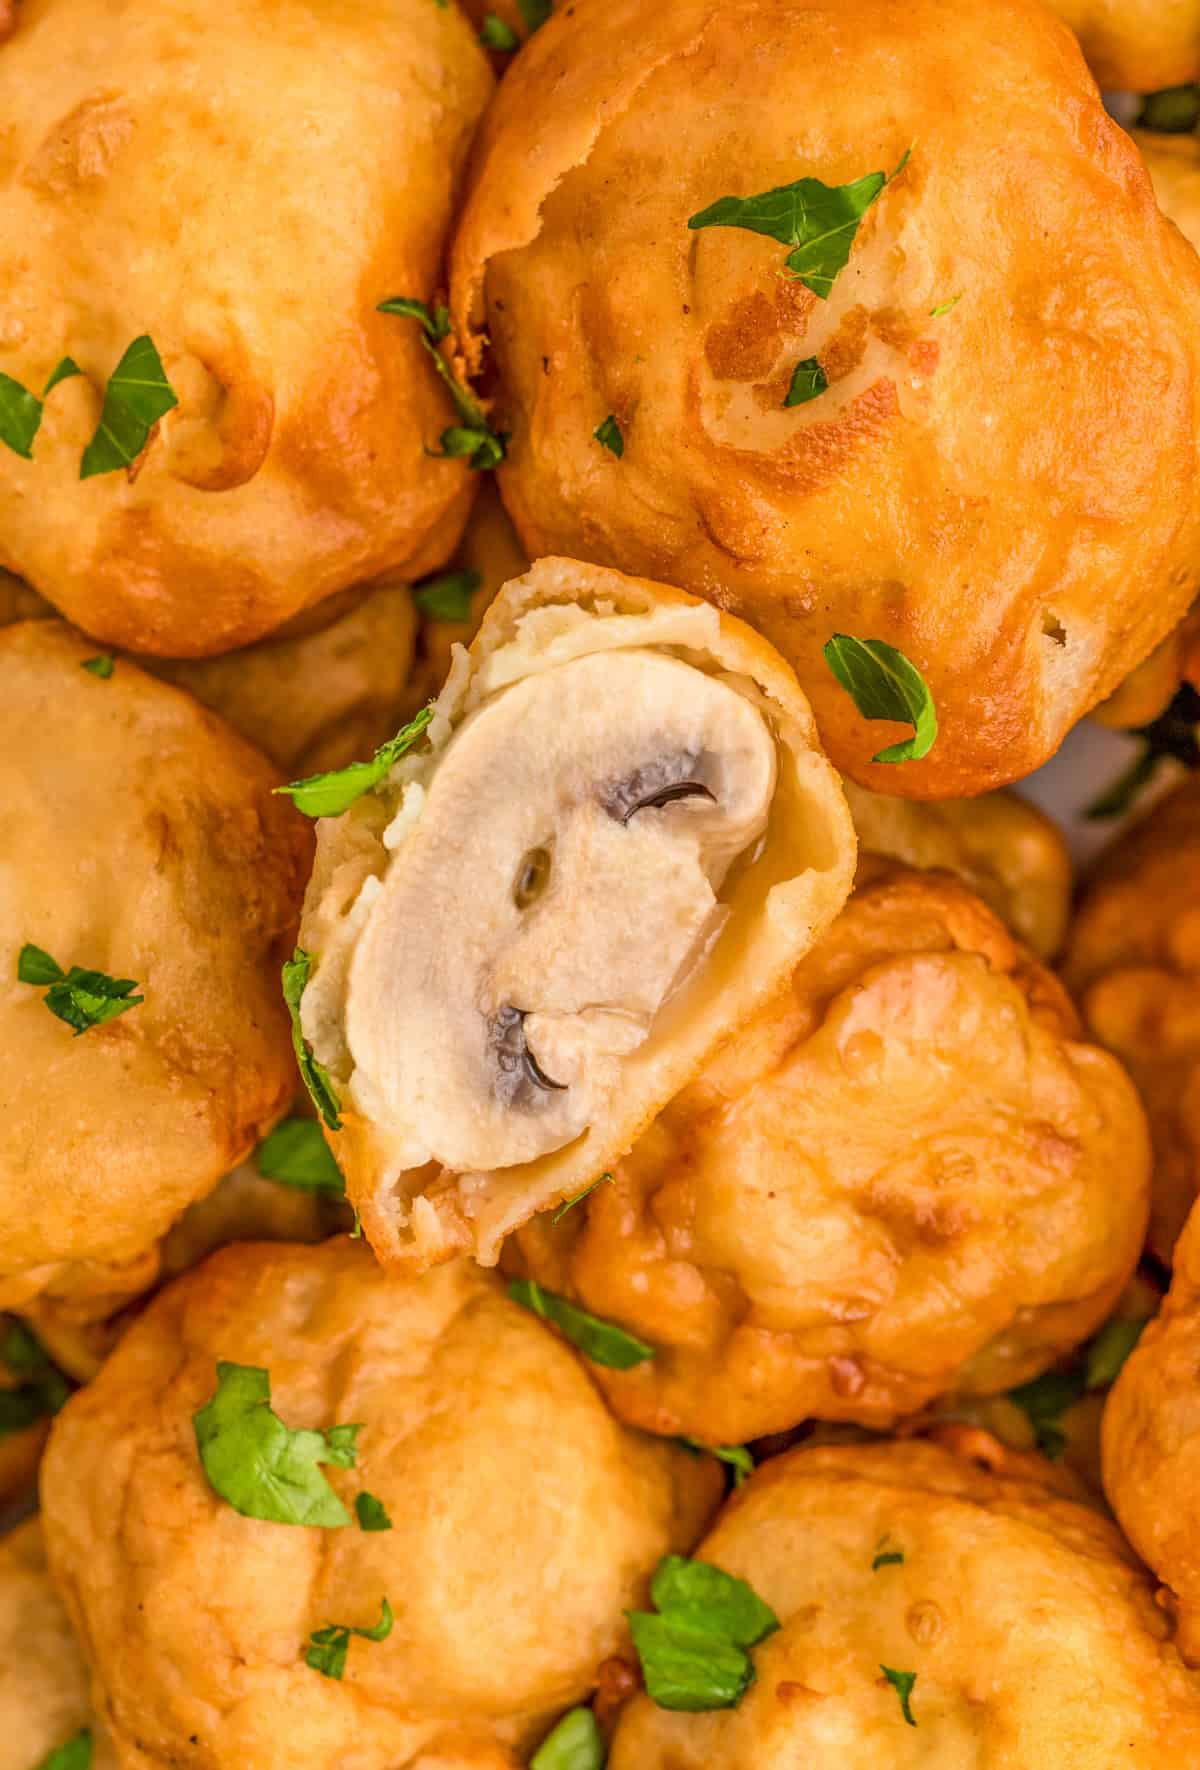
{"x":1004,"y":848}
{"x":1137,"y":45}
{"x":616,"y":845}
{"x":1024,"y":552}
{"x":1133,"y":964}
{"x":1031,"y":1630}
{"x":524,"y":1520}
{"x":907,"y":1176}
{"x":246,"y":197}
{"x":43,"y":1679}
{"x":142,"y":839}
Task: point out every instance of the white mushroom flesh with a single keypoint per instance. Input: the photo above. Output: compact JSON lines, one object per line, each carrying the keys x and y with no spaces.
{"x":559,"y":882}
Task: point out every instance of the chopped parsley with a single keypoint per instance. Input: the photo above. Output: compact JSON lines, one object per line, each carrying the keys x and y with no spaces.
{"x":263,"y":1468}
{"x":82,"y":998}
{"x":40,"y":1390}
{"x":1175,"y":733}
{"x":137,"y":396}
{"x":448,"y":595}
{"x":808,"y":380}
{"x":601,"y":1341}
{"x":329,"y":794}
{"x":609,"y":433}
{"x":328,"y":1647}
{"x":1105,"y":1355}
{"x":472,"y":438}
{"x":818,"y":221}
{"x":736,"y":1456}
{"x":21,"y":411}
{"x":569,"y":1204}
{"x":575,"y":1744}
{"x":102,"y":666}
{"x":885,"y":1557}
{"x":902,"y":1683}
{"x":76,"y":1754}
{"x":495,"y":34}
{"x":1045,"y":1400}
{"x":296,"y":1154}
{"x":371,"y":1513}
{"x":883,"y":684}
{"x":313,"y":1074}
{"x":944,"y":307}
{"x":694,"y":1650}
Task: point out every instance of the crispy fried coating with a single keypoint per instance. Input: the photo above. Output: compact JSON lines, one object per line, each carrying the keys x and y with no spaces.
{"x":1133,"y":964}
{"x":1003,"y":847}
{"x":1032,"y":1632}
{"x":908,"y":1176}
{"x":1136,"y":45}
{"x":44,"y":1698}
{"x":524,"y":1520}
{"x":245,"y":196}
{"x":142,"y":839}
{"x":1025,"y":552}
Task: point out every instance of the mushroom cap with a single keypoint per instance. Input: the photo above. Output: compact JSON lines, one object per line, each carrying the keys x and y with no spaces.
{"x":1136,"y":45}
{"x":1057,"y":540}
{"x":1032,"y":1631}
{"x":908,"y":1176}
{"x":496,"y":1049}
{"x":142,"y":838}
{"x":298,"y":460}
{"x":1006,"y":849}
{"x":1133,"y":964}
{"x":524,"y":1520}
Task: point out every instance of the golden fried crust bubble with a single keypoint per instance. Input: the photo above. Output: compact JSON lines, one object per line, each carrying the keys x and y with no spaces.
{"x":1136,"y":45}
{"x":1023,"y":551}
{"x":245,"y":198}
{"x":142,"y":841}
{"x":907,"y":1176}
{"x":616,"y":843}
{"x":1133,"y":964}
{"x":524,"y":1520}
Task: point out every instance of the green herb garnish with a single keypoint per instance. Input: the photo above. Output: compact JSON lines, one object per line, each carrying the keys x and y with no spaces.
{"x":448,"y":595}
{"x":137,"y":396}
{"x":818,"y":221}
{"x":313,"y":1074}
{"x":609,"y":433}
{"x":883,"y":684}
{"x":902,"y":1683}
{"x":569,"y":1204}
{"x":1175,"y":734}
{"x":102,"y":666}
{"x":885,"y":1557}
{"x":575,"y":1744}
{"x":495,"y":34}
{"x":76,"y":1754}
{"x":263,"y":1468}
{"x":534,"y":13}
{"x":1173,"y":111}
{"x":808,"y":380}
{"x":296,"y":1154}
{"x":21,"y":411}
{"x":693,"y":1652}
{"x":1107,"y":1352}
{"x":371,"y":1513}
{"x":473,"y":438}
{"x":601,"y":1341}
{"x":329,"y":794}
{"x":328,"y":1647}
{"x":42,"y":1389}
{"x":737,"y":1456}
{"x":82,"y":998}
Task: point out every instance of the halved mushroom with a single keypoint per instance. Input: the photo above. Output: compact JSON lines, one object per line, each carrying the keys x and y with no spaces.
{"x":619,"y":840}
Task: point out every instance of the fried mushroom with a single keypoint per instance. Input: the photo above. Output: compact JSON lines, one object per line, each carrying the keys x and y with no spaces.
{"x":907,"y":1176}
{"x":1028,"y":1630}
{"x":143,"y":843}
{"x":245,"y":198}
{"x":1058,"y":540}
{"x":1133,"y":964}
{"x":617,"y":843}
{"x":524,"y":1520}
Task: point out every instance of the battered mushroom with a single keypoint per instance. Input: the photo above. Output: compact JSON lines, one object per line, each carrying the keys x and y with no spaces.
{"x":150,"y":883}
{"x":906,"y":1177}
{"x":523,"y":1520}
{"x":244,"y":198}
{"x":617,"y":843}
{"x":1137,"y":45}
{"x":859,"y":446}
{"x":1133,"y":963}
{"x":1005,"y":849}
{"x":935,"y":1611}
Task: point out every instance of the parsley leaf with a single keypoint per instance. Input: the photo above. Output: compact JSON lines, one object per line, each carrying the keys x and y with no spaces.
{"x":495,"y":34}
{"x":328,"y":795}
{"x":883,"y":684}
{"x":1108,"y":1350}
{"x":601,"y":1341}
{"x":101,"y":666}
{"x":313,"y":1074}
{"x":447,"y":597}
{"x":569,"y":1204}
{"x":137,"y":396}
{"x":1044,"y":1401}
{"x":473,"y":437}
{"x":693,"y":1652}
{"x":82,"y":998}
{"x":808,"y":380}
{"x":76,"y":1754}
{"x":737,"y":1456}
{"x":885,"y":1557}
{"x":328,"y":1646}
{"x":819,"y":221}
{"x":262,"y":1467}
{"x":296,"y":1154}
{"x":902,"y":1683}
{"x":944,"y":307}
{"x":535,"y":13}
{"x":1175,"y":733}
{"x":1173,"y":111}
{"x":42,"y":1389}
{"x":575,"y":1744}
{"x":371,"y":1513}
{"x":21,"y":411}
{"x":609,"y":433}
